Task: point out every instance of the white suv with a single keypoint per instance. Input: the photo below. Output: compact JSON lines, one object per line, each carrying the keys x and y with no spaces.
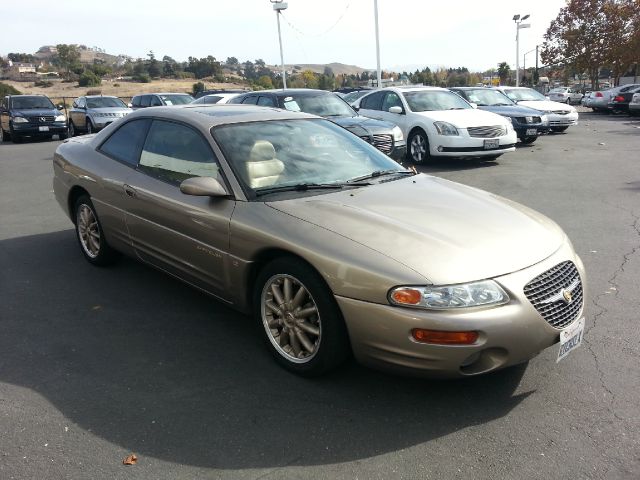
{"x":439,"y":123}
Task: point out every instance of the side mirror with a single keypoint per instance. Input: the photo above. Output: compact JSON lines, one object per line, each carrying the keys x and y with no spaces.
{"x":203,"y":187}
{"x":547,"y":97}
{"x":129,"y":105}
{"x":474,"y":105}
{"x":60,"y":107}
{"x":355,"y":107}
{"x":395,"y":109}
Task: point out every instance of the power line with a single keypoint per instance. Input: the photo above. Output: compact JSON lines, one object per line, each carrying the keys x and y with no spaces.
{"x":322,"y":33}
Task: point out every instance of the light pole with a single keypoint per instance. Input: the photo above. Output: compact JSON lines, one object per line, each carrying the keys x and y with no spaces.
{"x":278,"y":6}
{"x":524,"y":64}
{"x":518,"y":21}
{"x":379,"y":72}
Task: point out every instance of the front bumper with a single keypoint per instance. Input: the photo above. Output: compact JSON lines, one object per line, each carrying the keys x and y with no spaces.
{"x":399,"y":152}
{"x":527,"y":130}
{"x":464,"y":145}
{"x":556,"y":120}
{"x":509,"y":334}
{"x":39,"y":129}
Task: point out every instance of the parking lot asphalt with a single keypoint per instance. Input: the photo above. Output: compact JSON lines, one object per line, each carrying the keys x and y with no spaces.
{"x":96,"y":364}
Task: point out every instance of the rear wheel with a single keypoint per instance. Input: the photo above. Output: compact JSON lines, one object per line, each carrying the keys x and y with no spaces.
{"x":303,"y":325}
{"x":528,"y":140}
{"x":90,"y":235}
{"x":418,"y":151}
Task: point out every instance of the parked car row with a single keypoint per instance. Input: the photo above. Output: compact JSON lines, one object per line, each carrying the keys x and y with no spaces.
{"x":616,"y":99}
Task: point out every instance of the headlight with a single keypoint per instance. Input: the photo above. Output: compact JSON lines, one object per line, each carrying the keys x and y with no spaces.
{"x":448,"y":297}
{"x":19,"y":120}
{"x":98,"y":114}
{"x":544,"y":119}
{"x":445,"y":128}
{"x":60,"y":118}
{"x":397,"y":134}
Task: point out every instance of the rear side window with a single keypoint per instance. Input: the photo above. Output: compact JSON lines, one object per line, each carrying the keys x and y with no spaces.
{"x":155,"y":101}
{"x":251,"y":99}
{"x":145,"y":100}
{"x":266,"y":102}
{"x":211,"y":99}
{"x":135,"y":102}
{"x":125,"y":143}
{"x":372,"y":102}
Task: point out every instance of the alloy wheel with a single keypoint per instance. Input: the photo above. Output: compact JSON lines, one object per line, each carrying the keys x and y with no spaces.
{"x":88,"y":231}
{"x":418,"y":148}
{"x":290,"y":317}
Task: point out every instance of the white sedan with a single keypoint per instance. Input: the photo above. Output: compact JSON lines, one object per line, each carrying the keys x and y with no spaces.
{"x":565,"y":95}
{"x":439,"y":123}
{"x":560,"y":115}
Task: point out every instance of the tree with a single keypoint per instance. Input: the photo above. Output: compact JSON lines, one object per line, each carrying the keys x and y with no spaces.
{"x":503,"y":72}
{"x":67,"y":56}
{"x":8,"y":90}
{"x":265,"y":81}
{"x":309,"y":79}
{"x":89,"y":79}
{"x":21,"y":57}
{"x":197,"y":88}
{"x":231,"y":61}
{"x":153,"y":67}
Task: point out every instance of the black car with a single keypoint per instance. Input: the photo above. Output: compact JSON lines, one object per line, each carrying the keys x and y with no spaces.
{"x":385,"y":136}
{"x":621,"y":101}
{"x":30,"y":116}
{"x":527,"y":122}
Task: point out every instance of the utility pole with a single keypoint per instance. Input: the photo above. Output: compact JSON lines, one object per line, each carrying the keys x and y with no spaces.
{"x":278,"y":6}
{"x":518,"y":21}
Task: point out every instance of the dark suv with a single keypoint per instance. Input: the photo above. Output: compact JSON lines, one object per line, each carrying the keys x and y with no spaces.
{"x":30,"y":116}
{"x":385,"y":136}
{"x":160,"y":99}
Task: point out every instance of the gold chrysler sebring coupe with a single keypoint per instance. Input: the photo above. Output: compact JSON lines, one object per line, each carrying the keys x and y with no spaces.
{"x":334,"y":247}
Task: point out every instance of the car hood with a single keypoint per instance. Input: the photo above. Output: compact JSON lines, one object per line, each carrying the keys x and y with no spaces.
{"x":464,"y":118}
{"x":447,"y":232}
{"x":510,"y":110}
{"x":111,"y":110}
{"x":545,"y":105}
{"x":35,"y":112}
{"x":361,"y":125}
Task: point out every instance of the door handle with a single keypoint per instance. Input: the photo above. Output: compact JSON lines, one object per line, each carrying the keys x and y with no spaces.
{"x":129,"y":190}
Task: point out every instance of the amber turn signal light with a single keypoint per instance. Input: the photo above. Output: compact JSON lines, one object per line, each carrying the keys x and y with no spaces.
{"x":406,"y":296}
{"x":439,"y":337}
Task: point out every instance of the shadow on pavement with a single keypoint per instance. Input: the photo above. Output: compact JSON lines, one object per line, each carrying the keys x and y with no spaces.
{"x":149,"y":364}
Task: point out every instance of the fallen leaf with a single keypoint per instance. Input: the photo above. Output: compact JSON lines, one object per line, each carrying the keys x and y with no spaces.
{"x":130,"y":460}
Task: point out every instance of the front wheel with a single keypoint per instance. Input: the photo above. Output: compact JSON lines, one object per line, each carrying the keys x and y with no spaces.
{"x":303,"y":325}
{"x":89,"y":126}
{"x":93,"y":244}
{"x":528,"y":140}
{"x":418,"y":147}
{"x":72,"y":130}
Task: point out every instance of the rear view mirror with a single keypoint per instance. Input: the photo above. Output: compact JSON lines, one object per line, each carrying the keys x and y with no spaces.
{"x":203,"y":186}
{"x":395,"y":109}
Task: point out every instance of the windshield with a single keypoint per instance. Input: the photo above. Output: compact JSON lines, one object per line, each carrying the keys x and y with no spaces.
{"x":486,"y":97}
{"x":103,"y":102}
{"x":523,"y":94}
{"x":176,"y":99}
{"x":429,"y":100}
{"x":324,"y":105}
{"x":559,"y":90}
{"x":279,"y":153}
{"x":353,"y":96}
{"x":31,"y":102}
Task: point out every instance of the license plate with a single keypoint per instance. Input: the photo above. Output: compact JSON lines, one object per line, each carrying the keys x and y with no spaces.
{"x":491,"y":143}
{"x":43,"y":129}
{"x":531,"y":132}
{"x":570,"y":339}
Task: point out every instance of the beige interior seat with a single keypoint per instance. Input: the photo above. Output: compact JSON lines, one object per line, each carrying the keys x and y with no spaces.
{"x":263,"y":168}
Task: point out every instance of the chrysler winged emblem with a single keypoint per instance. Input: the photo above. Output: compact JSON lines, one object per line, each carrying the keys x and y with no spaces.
{"x":565,"y":294}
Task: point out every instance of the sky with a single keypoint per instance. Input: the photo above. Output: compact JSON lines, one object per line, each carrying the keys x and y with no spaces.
{"x":413,"y":33}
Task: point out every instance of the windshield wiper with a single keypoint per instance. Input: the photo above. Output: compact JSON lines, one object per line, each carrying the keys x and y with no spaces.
{"x":380,"y":173}
{"x":302,"y":187}
{"x":456,"y":108}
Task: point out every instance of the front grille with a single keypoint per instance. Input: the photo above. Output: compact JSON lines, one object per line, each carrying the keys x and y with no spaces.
{"x":41,"y":119}
{"x":524,"y":119}
{"x":487,"y":132}
{"x":545,"y":292}
{"x":561,"y":112}
{"x":382,"y":142}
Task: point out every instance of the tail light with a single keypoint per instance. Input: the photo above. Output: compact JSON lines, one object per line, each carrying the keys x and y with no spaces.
{"x":599,"y":94}
{"x":618,"y":98}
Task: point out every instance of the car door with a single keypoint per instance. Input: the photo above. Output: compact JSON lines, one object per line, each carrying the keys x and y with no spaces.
{"x":185,"y":235}
{"x":393,"y":99}
{"x":78,"y":112}
{"x":371,"y":104}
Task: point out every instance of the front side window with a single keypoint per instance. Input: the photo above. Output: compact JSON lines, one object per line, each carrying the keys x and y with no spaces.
{"x":373,"y":101}
{"x":391,"y":99}
{"x":176,"y":99}
{"x":251,"y":100}
{"x":174,"y":152}
{"x":82,"y":102}
{"x":155,"y":101}
{"x":124,"y":144}
{"x":266,"y":102}
{"x":135,"y":102}
{"x":145,"y":101}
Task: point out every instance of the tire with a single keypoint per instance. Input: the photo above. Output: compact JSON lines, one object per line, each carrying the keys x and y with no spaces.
{"x":62,"y":136}
{"x":558,"y":129}
{"x":305,"y":307}
{"x":89,"y":126}
{"x":72,"y":130}
{"x":4,"y":136}
{"x":528,"y":140}
{"x":90,"y":235}
{"x":418,"y":147}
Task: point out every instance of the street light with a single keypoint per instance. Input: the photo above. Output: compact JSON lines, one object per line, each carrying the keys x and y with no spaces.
{"x":379,"y":72}
{"x":518,"y":21}
{"x":278,"y":6}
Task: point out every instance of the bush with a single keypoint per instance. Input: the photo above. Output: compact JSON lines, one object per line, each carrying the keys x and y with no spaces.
{"x":43,"y":83}
{"x":8,"y":90}
{"x":197,"y":88}
{"x":142,"y":78}
{"x":94,"y":92}
{"x":89,"y":79}
{"x":185,"y":75}
{"x":116,"y":85}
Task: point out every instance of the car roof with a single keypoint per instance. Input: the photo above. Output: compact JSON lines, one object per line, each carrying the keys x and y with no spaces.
{"x":294,"y":91}
{"x":99,"y":96}
{"x":207,"y":116}
{"x":164,"y":93}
